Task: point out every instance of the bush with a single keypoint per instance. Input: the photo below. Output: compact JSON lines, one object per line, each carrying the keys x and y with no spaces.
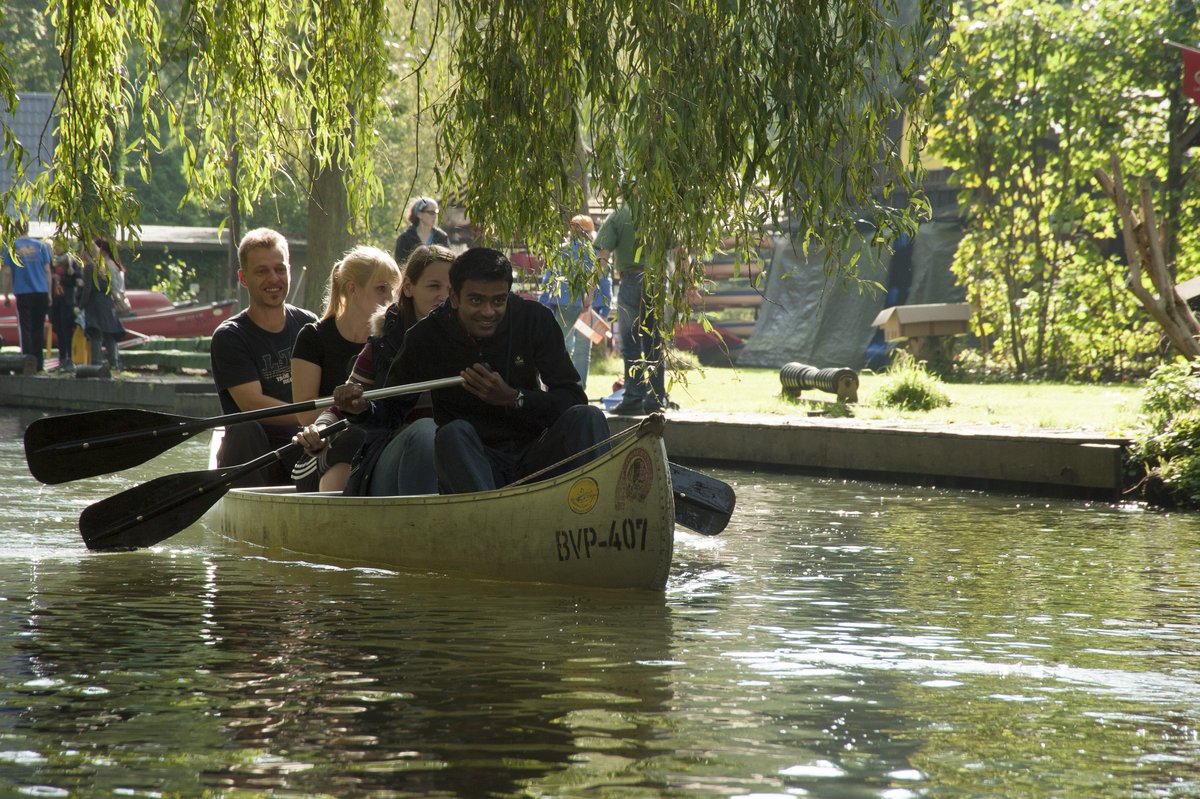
{"x":1165,"y":452}
{"x":910,"y":387}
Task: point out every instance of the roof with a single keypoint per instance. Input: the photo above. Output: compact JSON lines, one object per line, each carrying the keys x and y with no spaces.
{"x":177,"y":236}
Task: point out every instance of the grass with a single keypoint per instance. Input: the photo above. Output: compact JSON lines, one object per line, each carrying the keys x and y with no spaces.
{"x":1103,"y":409}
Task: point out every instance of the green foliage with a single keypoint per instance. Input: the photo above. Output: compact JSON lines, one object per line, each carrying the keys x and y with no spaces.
{"x":1045,"y":92}
{"x":724,"y":116}
{"x":910,"y":387}
{"x":175,"y":278}
{"x":26,"y":42}
{"x":1168,"y":447}
{"x":85,"y":192}
{"x":727,"y":116}
{"x":1172,"y":390}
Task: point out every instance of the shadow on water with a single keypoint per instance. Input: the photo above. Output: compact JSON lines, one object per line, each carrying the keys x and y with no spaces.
{"x":187,"y":673}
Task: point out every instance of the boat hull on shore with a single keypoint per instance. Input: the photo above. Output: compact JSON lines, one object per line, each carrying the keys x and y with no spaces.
{"x":607,"y":524}
{"x":154,"y":315}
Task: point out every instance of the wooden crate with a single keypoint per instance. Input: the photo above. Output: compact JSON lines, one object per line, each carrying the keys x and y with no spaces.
{"x":920,"y":321}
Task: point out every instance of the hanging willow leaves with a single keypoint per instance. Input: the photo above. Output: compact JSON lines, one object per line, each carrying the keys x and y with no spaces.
{"x":18,"y":195}
{"x":85,"y":191}
{"x":726,"y":117}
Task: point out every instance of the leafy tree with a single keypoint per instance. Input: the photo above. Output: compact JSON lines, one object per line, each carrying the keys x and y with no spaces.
{"x":726,"y":116}
{"x":1046,"y":91}
{"x":28,"y":40}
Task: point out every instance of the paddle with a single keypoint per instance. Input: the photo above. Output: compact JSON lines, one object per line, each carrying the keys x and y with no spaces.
{"x":702,"y":503}
{"x":155,"y":511}
{"x":72,"y":446}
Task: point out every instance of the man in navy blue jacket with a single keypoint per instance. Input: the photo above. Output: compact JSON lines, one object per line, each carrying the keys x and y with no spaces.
{"x":520,"y":408}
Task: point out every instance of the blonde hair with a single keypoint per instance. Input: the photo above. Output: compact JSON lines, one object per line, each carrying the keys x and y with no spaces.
{"x":261,"y":237}
{"x":362,"y":266}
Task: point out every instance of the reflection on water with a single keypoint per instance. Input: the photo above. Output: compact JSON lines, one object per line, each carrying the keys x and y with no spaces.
{"x":838,"y":640}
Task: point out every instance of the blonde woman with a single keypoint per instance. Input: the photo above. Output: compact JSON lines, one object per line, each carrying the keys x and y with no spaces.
{"x":363,"y":282}
{"x":400,"y":462}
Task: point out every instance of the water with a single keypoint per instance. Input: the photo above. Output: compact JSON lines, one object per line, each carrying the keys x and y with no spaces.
{"x":838,"y":640}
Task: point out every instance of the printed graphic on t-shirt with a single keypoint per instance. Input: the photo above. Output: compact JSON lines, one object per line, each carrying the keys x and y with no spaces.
{"x":277,"y":367}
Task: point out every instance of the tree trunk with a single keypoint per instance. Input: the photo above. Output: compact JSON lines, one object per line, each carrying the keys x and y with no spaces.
{"x":235,"y":222}
{"x":328,"y":233}
{"x":1145,"y":252}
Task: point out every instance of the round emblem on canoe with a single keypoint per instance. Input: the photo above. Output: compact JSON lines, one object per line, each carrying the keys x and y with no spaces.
{"x":583,"y":495}
{"x":636,"y":477}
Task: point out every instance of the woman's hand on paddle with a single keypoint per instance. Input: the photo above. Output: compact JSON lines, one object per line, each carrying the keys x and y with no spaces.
{"x":489,"y":386}
{"x":348,"y":397}
{"x":310,"y":439}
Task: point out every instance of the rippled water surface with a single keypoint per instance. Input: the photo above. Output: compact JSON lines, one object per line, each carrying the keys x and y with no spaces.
{"x":838,"y":640}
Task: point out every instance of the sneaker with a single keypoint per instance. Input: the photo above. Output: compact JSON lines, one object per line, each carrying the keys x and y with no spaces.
{"x":631,"y":406}
{"x":651,"y":405}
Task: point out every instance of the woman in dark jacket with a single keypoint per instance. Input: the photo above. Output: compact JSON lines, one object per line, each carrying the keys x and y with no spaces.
{"x":101,"y":325}
{"x":66,"y":274}
{"x":422,"y":230}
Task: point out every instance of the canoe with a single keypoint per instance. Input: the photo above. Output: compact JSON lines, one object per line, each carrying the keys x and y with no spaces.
{"x":607,"y":524}
{"x":154,"y":315}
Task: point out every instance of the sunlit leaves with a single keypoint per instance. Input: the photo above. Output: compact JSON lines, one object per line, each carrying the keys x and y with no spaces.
{"x":86,"y":190}
{"x":727,"y":117}
{"x":1046,"y":92}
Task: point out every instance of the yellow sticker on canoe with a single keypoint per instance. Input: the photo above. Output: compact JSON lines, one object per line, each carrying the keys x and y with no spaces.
{"x":583,"y":495}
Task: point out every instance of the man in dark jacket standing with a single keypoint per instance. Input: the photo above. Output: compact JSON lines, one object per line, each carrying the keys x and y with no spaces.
{"x":520,"y":408}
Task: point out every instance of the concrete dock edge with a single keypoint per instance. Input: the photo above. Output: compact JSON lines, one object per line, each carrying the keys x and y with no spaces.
{"x":1051,"y":463}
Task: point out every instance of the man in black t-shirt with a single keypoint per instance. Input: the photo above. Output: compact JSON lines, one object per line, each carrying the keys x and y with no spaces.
{"x":252,"y":357}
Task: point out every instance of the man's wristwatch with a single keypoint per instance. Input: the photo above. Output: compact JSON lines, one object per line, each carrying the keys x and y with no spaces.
{"x":520,"y":403}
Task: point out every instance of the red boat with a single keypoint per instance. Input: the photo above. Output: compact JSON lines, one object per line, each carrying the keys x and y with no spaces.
{"x":154,"y":315}
{"x":716,"y":347}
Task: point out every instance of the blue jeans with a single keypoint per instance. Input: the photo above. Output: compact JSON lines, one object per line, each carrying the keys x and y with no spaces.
{"x":405,"y":468}
{"x":465,"y":463}
{"x":641,"y":342}
{"x":579,"y":347}
{"x":104,"y":345}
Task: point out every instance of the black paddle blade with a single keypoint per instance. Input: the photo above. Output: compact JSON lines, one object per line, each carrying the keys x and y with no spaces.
{"x":702,"y":503}
{"x":154,"y":511}
{"x":157,"y":510}
{"x":73,"y":446}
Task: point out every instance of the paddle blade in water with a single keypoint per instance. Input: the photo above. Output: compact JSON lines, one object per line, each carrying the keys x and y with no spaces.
{"x":702,"y":503}
{"x":153,"y":512}
{"x":73,"y":446}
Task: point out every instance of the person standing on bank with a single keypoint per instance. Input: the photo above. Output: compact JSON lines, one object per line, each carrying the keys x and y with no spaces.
{"x":251,"y":355}
{"x":520,"y":408}
{"x":66,"y":279}
{"x":26,"y":273}
{"x":641,"y":341}
{"x":100,"y":323}
{"x":422,"y":229}
{"x":576,"y":256}
{"x":363,"y":282}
